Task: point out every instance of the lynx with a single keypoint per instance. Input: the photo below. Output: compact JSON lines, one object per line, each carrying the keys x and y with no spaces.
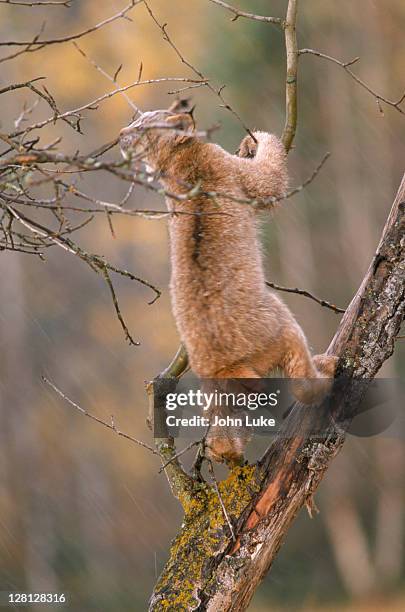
{"x":231,"y":324}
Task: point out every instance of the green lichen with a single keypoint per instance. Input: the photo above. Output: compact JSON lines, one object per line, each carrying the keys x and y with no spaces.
{"x":204,"y":535}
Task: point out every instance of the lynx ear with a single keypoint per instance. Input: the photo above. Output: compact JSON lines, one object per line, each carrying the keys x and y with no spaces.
{"x":183,"y":121}
{"x":247,"y":148}
{"x":180,"y":105}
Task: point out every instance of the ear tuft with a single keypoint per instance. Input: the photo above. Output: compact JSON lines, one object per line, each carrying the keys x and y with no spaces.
{"x":191,"y":113}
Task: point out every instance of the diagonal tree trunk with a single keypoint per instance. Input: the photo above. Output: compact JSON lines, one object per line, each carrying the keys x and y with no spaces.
{"x":207,"y":570}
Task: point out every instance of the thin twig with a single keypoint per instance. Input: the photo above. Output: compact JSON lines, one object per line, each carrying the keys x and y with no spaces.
{"x":96,"y":263}
{"x":27,"y":48}
{"x":39,"y":44}
{"x":237,"y":13}
{"x":22,"y":249}
{"x":93,"y":105}
{"x":111,"y":426}
{"x":108,"y":76}
{"x":65,"y":3}
{"x":311,"y":178}
{"x":107,"y":277}
{"x":20,"y":85}
{"x":179,"y":454}
{"x":345,"y":65}
{"x":175,"y":92}
{"x":308,"y":295}
{"x":27,"y":110}
{"x":225,"y":513}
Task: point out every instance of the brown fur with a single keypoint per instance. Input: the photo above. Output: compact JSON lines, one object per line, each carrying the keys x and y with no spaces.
{"x":231,"y":324}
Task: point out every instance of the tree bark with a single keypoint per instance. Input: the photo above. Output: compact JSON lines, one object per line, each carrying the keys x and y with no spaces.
{"x":207,"y":571}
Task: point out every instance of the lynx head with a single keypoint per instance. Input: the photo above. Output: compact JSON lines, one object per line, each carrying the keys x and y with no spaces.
{"x":155,"y":134}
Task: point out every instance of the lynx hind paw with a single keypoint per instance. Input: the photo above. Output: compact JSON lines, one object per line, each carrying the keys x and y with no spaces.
{"x":247,"y":147}
{"x":326,"y":364}
{"x":225,"y":450}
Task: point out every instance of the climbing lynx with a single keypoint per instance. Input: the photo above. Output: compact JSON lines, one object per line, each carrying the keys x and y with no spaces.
{"x":231,"y":324}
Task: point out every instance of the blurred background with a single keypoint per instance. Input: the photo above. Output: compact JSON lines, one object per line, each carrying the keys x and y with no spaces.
{"x":85,"y":512}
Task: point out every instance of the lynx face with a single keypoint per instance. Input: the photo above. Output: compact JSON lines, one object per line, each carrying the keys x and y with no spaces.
{"x":135,"y":138}
{"x":155,"y":133}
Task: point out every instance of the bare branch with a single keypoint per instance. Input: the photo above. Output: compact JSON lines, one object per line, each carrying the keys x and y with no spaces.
{"x":345,"y":65}
{"x":237,"y":13}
